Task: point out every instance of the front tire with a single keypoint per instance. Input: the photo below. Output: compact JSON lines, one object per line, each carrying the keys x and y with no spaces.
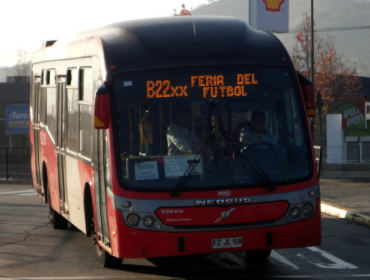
{"x":106,"y":259}
{"x":257,"y":255}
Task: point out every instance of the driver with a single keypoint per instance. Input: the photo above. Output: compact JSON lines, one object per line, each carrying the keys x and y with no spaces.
{"x":255,"y":133}
{"x":180,"y":138}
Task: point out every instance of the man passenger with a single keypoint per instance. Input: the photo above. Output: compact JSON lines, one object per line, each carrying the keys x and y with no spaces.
{"x":255,"y":133}
{"x":180,"y":138}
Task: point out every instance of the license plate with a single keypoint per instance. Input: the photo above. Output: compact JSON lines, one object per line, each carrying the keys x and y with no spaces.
{"x":222,"y":243}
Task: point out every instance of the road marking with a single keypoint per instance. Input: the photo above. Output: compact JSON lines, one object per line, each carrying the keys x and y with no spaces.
{"x":28,"y":194}
{"x":331,"y":276}
{"x":279,"y":260}
{"x":315,"y":257}
{"x":17,"y":192}
{"x":89,"y":277}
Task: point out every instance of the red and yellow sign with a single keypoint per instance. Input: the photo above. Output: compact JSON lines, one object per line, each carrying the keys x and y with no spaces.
{"x":273,"y":5}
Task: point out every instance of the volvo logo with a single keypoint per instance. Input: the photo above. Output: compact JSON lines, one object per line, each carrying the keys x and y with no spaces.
{"x":227,"y":201}
{"x":172,"y":211}
{"x":225,"y":215}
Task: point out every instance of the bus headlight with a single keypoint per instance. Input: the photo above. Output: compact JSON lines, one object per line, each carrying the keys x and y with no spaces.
{"x":307,"y":209}
{"x":294,"y":212}
{"x":133,"y":219}
{"x":148,"y":221}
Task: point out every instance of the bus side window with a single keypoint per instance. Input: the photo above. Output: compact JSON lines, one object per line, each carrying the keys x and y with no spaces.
{"x":86,"y":112}
{"x":43,"y":105}
{"x":72,"y":101}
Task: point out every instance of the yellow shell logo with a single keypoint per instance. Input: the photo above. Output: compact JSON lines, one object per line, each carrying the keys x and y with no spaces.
{"x":273,"y":5}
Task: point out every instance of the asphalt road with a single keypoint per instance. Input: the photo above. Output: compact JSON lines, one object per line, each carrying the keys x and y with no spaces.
{"x":30,"y":249}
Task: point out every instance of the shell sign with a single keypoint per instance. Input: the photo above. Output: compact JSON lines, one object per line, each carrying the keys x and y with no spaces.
{"x":273,"y":5}
{"x":269,"y":15}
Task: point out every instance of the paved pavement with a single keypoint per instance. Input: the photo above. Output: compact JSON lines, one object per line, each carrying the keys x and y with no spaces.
{"x":346,"y":198}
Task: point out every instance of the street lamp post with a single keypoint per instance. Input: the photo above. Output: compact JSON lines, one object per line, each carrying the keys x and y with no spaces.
{"x":312,"y":69}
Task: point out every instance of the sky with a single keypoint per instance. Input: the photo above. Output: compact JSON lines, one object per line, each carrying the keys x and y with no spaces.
{"x":26,"y":24}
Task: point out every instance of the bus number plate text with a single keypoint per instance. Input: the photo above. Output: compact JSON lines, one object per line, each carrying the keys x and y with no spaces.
{"x":222,"y":243}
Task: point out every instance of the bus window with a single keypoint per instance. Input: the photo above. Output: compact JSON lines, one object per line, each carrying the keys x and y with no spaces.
{"x":72,"y":119}
{"x":72,"y":77}
{"x":86,"y":87}
{"x":222,"y":118}
{"x":51,"y":112}
{"x":85,"y":112}
{"x":43,"y":105}
{"x":50,"y":77}
{"x":86,"y":126}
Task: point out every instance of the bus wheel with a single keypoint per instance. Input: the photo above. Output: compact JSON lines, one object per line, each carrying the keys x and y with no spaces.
{"x":106,"y":259}
{"x":57,"y":221}
{"x":257,"y":255}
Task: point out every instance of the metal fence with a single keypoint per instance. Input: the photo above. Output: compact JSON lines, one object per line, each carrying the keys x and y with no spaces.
{"x":15,"y":163}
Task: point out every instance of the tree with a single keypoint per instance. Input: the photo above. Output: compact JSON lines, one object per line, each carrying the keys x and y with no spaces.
{"x":334,"y":76}
{"x":23,"y":65}
{"x":183,"y":12}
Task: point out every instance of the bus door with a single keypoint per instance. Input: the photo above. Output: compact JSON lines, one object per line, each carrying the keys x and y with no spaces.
{"x":61,"y":143}
{"x":102,"y":176}
{"x":36,"y":133}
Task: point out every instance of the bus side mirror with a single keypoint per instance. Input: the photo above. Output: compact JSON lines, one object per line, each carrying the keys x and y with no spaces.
{"x":102,"y":108}
{"x":308,"y":94}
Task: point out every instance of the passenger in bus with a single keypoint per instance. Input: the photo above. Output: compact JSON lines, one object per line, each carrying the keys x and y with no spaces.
{"x":254,"y":132}
{"x":180,"y":138}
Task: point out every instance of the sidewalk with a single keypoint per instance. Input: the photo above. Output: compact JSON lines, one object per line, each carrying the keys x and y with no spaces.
{"x":346,"y":198}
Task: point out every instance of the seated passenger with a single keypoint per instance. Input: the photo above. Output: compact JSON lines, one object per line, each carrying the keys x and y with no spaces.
{"x":254,"y":133}
{"x":180,"y":138}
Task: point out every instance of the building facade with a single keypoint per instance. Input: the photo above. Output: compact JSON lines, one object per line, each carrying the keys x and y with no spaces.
{"x":14,"y":112}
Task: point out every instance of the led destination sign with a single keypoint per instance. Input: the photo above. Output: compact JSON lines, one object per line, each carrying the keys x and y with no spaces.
{"x":211,"y":86}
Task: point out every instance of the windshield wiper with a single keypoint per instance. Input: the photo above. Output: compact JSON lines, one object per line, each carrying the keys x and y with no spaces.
{"x":185,"y":178}
{"x":223,"y":137}
{"x":255,"y":170}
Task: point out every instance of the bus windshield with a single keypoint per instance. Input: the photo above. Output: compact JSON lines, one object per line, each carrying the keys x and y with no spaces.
{"x":220,"y":127}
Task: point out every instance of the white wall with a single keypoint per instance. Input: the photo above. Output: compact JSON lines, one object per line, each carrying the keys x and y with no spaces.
{"x":335,"y":141}
{"x":3,"y":74}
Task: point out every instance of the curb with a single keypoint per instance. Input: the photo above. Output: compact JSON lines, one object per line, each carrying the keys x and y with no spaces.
{"x":15,"y":182}
{"x":349,"y":179}
{"x":344,"y":213}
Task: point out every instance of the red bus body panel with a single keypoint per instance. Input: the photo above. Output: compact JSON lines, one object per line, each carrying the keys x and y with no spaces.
{"x":147,"y":244}
{"x":198,"y":216}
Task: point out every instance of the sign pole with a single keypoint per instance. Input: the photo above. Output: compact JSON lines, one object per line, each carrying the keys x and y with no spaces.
{"x":312,"y":69}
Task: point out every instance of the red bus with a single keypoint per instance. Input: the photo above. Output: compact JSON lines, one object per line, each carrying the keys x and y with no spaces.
{"x":175,"y":136}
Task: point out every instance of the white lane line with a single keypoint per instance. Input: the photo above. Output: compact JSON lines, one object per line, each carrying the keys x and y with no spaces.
{"x":316,"y":258}
{"x":28,"y":194}
{"x":240,"y":263}
{"x":278,"y":260}
{"x":16,"y":192}
{"x":331,"y":276}
{"x":90,"y":277}
{"x":333,"y":211}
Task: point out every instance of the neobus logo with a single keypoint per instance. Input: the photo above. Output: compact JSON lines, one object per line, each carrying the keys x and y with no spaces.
{"x":238,"y":200}
{"x":172,"y":211}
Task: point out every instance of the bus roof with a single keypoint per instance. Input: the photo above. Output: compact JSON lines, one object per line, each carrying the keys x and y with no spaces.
{"x":171,"y":42}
